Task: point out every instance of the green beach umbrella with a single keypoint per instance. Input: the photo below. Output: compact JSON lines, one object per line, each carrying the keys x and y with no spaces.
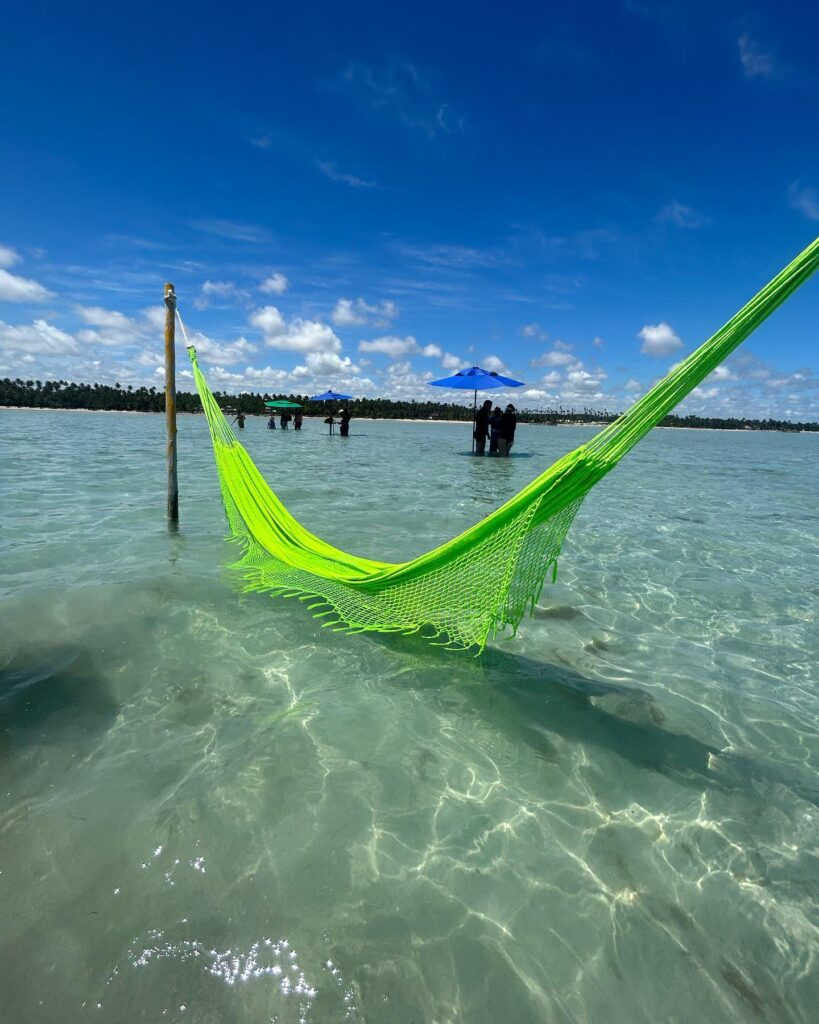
{"x":283,"y":404}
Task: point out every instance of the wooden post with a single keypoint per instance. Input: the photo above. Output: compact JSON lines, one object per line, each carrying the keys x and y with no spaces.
{"x":170,"y":401}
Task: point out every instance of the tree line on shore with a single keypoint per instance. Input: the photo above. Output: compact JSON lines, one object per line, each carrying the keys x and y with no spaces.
{"x":61,"y":394}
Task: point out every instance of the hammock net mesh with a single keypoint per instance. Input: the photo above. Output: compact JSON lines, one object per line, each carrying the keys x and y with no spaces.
{"x":486,"y":579}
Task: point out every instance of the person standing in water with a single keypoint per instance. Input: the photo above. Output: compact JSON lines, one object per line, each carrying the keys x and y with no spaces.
{"x":297,"y":420}
{"x":482,"y":426}
{"x":344,"y":417}
{"x":271,"y":423}
{"x":240,"y":420}
{"x":494,"y":430}
{"x":508,"y":422}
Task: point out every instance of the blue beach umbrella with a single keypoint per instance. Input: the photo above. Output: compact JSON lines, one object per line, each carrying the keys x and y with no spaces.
{"x":330,"y":396}
{"x":476,"y":379}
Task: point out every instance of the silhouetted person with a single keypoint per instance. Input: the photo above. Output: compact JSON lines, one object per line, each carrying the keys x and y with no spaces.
{"x":284,"y":419}
{"x":508,"y":422}
{"x":240,"y":420}
{"x":344,"y":417}
{"x":297,"y":420}
{"x":494,"y":430}
{"x":271,"y":423}
{"x":482,"y":427}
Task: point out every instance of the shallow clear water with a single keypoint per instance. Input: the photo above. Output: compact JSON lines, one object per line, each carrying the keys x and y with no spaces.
{"x":212,"y":810}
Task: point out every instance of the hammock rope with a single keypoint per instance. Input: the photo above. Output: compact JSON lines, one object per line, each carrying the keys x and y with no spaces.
{"x":464,"y":591}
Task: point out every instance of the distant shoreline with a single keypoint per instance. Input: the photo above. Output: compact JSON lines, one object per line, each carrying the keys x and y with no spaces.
{"x":464,"y":424}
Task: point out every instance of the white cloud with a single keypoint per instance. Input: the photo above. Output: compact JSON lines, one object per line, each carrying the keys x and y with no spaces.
{"x":798,"y":379}
{"x":344,"y":315}
{"x":150,"y":357}
{"x":747,"y":367}
{"x":570,"y":382}
{"x":659,"y":339}
{"x":225,"y":292}
{"x":390,"y":345}
{"x":581,"y":381}
{"x":21,"y":289}
{"x":8,"y":256}
{"x":551,"y":378}
{"x":106,"y":336}
{"x":99,"y":317}
{"x":403,"y":92}
{"x":114,"y":329}
{"x":632,"y":384}
{"x":107,"y":329}
{"x":355,"y":312}
{"x":451,"y":362}
{"x":534,"y":330}
{"x":329,"y":170}
{"x":745,"y":387}
{"x":325,"y":364}
{"x":307,"y":336}
{"x":276,"y":284}
{"x":251,"y":378}
{"x":494,"y":364}
{"x":309,"y":378}
{"x":395,"y":347}
{"x":231,"y":230}
{"x":297,"y":335}
{"x":755,"y":64}
{"x":221,"y":289}
{"x":805,"y":200}
{"x":682,"y":216}
{"x":401,"y":381}
{"x":460,"y":256}
{"x":215,"y":352}
{"x":155,"y":315}
{"x":269,"y":321}
{"x":598,"y":342}
{"x":556,"y":357}
{"x":702,"y":392}
{"x":723,"y":373}
{"x":111,"y":328}
{"x":39,"y":337}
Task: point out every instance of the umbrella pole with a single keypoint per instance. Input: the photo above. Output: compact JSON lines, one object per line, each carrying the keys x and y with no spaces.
{"x":474,"y":418}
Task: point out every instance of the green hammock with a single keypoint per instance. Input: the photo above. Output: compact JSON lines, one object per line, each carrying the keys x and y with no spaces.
{"x":487,"y":578}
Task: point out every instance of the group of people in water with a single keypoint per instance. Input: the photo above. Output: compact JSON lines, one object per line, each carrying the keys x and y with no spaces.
{"x":490,"y":424}
{"x":284,"y":420}
{"x":343,"y":421}
{"x":496,"y":426}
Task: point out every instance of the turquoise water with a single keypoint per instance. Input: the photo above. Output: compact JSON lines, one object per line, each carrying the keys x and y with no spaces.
{"x":213,"y":811}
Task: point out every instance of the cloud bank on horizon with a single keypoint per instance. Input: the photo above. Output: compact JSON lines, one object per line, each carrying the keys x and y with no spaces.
{"x":520,"y":200}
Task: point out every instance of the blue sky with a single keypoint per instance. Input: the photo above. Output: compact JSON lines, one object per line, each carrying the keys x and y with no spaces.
{"x":366,"y":198}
